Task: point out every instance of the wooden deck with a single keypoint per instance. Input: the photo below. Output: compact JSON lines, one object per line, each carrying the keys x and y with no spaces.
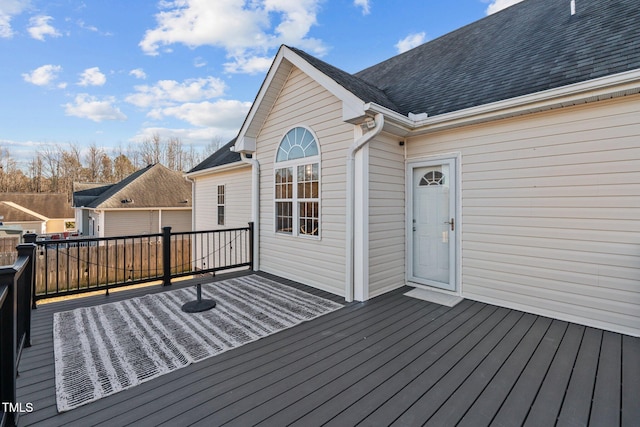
{"x":393,"y":360}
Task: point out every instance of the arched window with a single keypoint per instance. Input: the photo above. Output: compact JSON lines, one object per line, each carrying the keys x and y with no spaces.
{"x":432,"y":178}
{"x":297,"y":184}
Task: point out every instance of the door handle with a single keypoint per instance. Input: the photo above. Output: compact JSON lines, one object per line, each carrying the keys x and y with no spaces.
{"x":451,"y":223}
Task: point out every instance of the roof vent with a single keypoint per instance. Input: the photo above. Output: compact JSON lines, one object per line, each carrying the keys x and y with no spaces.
{"x":573,"y":7}
{"x":126,"y":201}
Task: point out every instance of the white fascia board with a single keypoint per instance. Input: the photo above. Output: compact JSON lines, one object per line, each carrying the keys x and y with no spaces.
{"x":27,"y":211}
{"x":216,"y":169}
{"x":608,"y":87}
{"x":156,"y":208}
{"x":352,"y":106}
{"x":244,"y":144}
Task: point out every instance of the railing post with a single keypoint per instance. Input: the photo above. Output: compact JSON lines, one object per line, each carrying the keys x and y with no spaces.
{"x":166,"y":256}
{"x":251,"y":245}
{"x":28,"y":282}
{"x":8,"y":342}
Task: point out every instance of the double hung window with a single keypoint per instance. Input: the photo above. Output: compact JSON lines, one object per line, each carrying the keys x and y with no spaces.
{"x":297,"y":184}
{"x":221,"y":204}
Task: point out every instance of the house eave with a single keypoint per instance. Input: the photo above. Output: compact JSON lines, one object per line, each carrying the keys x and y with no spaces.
{"x":613,"y":86}
{"x":216,"y":169}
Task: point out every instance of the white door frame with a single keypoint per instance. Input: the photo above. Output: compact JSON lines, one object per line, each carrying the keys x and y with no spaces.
{"x":454,"y":258}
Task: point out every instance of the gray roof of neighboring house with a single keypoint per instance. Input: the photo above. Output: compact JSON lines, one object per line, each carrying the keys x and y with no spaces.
{"x":222,"y":156}
{"x":45,"y":204}
{"x":532,"y":46}
{"x":152,"y":187}
{"x":14,"y":214}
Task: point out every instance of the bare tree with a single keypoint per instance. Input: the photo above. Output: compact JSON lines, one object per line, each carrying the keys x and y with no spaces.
{"x":70,"y":168}
{"x":122,"y":167}
{"x":93,"y":162}
{"x":152,"y":151}
{"x":35,"y":174}
{"x":51,"y":167}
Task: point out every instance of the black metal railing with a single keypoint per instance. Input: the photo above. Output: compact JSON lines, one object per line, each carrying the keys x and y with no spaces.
{"x":16,"y":300}
{"x":72,"y":266}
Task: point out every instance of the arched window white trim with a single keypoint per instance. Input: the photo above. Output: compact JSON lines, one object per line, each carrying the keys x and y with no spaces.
{"x":297,"y":184}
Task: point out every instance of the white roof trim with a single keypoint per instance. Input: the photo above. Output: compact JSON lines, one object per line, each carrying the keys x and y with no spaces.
{"x":25,"y":210}
{"x":352,"y":106}
{"x":222,"y":168}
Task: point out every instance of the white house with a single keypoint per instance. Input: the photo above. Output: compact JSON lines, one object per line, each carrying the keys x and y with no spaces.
{"x":499,"y":163}
{"x":222,"y":187}
{"x":143,"y":203}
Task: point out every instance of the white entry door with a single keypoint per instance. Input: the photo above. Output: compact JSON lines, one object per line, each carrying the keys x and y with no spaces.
{"x":433,"y":224}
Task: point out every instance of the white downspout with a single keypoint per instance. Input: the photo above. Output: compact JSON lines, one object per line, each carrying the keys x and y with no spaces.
{"x":351,"y":156}
{"x":255,"y":206}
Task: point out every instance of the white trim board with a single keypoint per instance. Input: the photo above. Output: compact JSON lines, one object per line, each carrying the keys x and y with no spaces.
{"x":435,"y":297}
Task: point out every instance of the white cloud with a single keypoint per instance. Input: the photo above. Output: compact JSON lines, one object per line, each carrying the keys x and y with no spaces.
{"x":9,"y":9}
{"x":167,"y":92}
{"x":87,"y":27}
{"x":43,"y":76}
{"x":92,"y":77}
{"x":411,"y":41}
{"x":226,"y":114}
{"x":498,"y":5}
{"x":39,"y":27}
{"x":197,"y":136}
{"x":252,"y":65}
{"x":244,"y":29}
{"x":138,"y":73}
{"x":364,"y":4}
{"x":90,"y":107}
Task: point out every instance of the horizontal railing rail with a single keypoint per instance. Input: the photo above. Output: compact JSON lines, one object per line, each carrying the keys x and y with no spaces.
{"x":72,"y":266}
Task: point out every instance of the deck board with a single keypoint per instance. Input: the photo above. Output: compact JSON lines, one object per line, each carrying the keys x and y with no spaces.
{"x":391,"y":359}
{"x":630,"y":380}
{"x":606,"y":401}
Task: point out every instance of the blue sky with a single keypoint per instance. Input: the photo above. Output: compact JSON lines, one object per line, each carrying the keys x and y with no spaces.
{"x":113,"y":72}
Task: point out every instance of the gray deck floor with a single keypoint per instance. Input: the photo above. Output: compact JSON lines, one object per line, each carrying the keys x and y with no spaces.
{"x":393,"y":360}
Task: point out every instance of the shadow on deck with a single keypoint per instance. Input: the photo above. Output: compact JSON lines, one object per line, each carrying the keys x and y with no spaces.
{"x":391,"y":360}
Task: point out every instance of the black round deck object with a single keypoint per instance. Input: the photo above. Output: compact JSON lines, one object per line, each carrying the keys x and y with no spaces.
{"x":200,"y":304}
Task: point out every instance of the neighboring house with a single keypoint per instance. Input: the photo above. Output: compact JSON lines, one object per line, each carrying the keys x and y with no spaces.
{"x":142,"y":203}
{"x":222,"y":188}
{"x":17,"y":216}
{"x":499,"y":163}
{"x":37,"y":212}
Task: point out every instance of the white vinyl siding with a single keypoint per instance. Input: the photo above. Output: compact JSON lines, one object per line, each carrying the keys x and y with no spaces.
{"x":237,"y":184}
{"x":386,"y":215}
{"x":178,"y":220}
{"x":551,"y":211}
{"x":315,"y":262}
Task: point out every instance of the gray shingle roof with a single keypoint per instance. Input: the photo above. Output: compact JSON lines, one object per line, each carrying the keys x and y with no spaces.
{"x":152,"y":187}
{"x":13,"y":214}
{"x":47,"y":204}
{"x":352,"y":83}
{"x":222,"y":156}
{"x":530,"y":47}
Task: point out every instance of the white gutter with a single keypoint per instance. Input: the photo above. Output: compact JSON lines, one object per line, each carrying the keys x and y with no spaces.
{"x":351,"y":155}
{"x":193,"y":202}
{"x":255,"y":206}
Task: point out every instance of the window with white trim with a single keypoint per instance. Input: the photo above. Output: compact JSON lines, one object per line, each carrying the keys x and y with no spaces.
{"x":221,"y":197}
{"x":297,"y":184}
